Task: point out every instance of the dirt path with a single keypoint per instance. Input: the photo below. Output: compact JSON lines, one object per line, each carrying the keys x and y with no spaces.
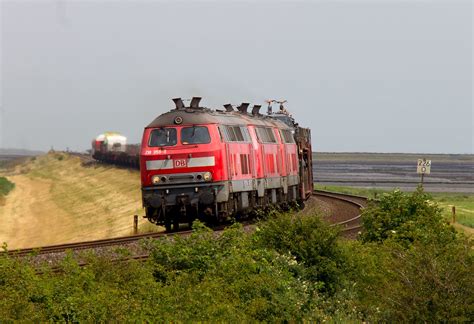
{"x":469,"y":231}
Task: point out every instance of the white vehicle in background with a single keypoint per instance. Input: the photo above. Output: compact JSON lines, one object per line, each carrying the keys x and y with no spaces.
{"x":109,"y":142}
{"x":112,"y":147}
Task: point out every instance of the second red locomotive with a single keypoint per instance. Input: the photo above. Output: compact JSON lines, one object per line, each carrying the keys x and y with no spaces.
{"x":201,"y":163}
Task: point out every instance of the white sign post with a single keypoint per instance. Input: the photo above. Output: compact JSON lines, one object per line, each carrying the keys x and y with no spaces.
{"x":423,"y":167}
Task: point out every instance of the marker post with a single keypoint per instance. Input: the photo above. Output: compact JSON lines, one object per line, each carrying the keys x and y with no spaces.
{"x":423,"y":167}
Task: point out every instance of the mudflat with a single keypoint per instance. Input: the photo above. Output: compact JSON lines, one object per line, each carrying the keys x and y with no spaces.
{"x":449,"y":172}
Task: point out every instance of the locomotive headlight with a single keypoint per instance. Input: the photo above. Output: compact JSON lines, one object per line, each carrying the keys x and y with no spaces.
{"x":207,"y":176}
{"x":155,"y":179}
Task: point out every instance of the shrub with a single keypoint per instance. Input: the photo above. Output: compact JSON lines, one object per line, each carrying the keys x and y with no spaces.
{"x":311,"y":242}
{"x":227,"y":278}
{"x":427,"y":283}
{"x":5,"y":186}
{"x":18,"y":284}
{"x":406,"y":218}
{"x":430,"y":282}
{"x":413,"y":266}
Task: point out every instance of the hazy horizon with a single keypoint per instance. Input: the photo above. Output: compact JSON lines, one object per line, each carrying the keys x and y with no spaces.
{"x":386,"y":76}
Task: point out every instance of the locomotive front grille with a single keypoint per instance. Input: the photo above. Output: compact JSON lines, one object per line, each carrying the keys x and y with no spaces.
{"x":181,"y":178}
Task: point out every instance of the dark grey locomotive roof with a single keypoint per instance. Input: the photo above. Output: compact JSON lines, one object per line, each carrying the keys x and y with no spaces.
{"x":196,"y":116}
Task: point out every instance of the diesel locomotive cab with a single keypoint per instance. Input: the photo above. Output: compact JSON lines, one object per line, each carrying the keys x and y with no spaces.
{"x":180,"y":180}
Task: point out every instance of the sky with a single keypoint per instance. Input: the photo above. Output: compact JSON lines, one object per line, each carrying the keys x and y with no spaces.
{"x":365,"y":76}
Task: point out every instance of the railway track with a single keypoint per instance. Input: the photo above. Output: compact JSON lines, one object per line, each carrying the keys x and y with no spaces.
{"x":91,"y":244}
{"x":345,"y":213}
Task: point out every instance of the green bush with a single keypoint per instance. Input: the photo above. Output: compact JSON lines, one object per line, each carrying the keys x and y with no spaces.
{"x":310,"y":242}
{"x":413,"y":267}
{"x":101,"y":291}
{"x":405,"y":218}
{"x":426,"y":283}
{"x":5,"y":186}
{"x":228,"y":278}
{"x":430,"y":282}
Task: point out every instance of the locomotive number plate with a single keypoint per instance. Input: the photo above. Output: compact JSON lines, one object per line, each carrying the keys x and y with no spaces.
{"x":181,"y":163}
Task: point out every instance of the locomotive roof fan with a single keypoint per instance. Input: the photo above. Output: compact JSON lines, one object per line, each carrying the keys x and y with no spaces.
{"x":228,"y":107}
{"x":243,"y":107}
{"x":195,"y":102}
{"x":179,"y":103}
{"x":256,"y":109}
{"x":193,"y":105}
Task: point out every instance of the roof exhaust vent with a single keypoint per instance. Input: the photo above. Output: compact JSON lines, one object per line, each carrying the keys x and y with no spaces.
{"x":179,"y":103}
{"x":228,"y":107}
{"x":256,"y":109}
{"x":195,"y":102}
{"x":243,"y":107}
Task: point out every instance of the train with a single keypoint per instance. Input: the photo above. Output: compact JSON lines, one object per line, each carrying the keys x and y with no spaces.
{"x":112,"y":148}
{"x":215,"y":164}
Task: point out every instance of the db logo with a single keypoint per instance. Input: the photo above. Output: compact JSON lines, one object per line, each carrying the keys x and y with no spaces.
{"x":180,"y":163}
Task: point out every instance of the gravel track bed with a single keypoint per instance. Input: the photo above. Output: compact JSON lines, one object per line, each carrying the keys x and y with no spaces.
{"x":114,"y":252}
{"x":339,"y":210}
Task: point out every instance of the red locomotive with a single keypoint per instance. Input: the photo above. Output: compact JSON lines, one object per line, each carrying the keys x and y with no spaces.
{"x":201,"y":163}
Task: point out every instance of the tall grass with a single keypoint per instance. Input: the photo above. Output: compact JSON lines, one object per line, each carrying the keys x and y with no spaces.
{"x":365,"y":192}
{"x":464,"y":204}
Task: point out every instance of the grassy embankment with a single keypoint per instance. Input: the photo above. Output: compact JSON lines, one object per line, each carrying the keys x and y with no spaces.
{"x":57,"y":200}
{"x":464,"y":203}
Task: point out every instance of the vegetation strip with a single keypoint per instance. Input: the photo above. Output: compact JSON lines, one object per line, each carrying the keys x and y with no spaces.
{"x":408,"y":266}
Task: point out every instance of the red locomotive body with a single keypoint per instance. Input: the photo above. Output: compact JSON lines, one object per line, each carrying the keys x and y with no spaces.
{"x":200,"y":163}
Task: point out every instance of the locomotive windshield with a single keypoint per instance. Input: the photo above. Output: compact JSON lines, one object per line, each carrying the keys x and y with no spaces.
{"x":163,"y":137}
{"x":195,"y":135}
